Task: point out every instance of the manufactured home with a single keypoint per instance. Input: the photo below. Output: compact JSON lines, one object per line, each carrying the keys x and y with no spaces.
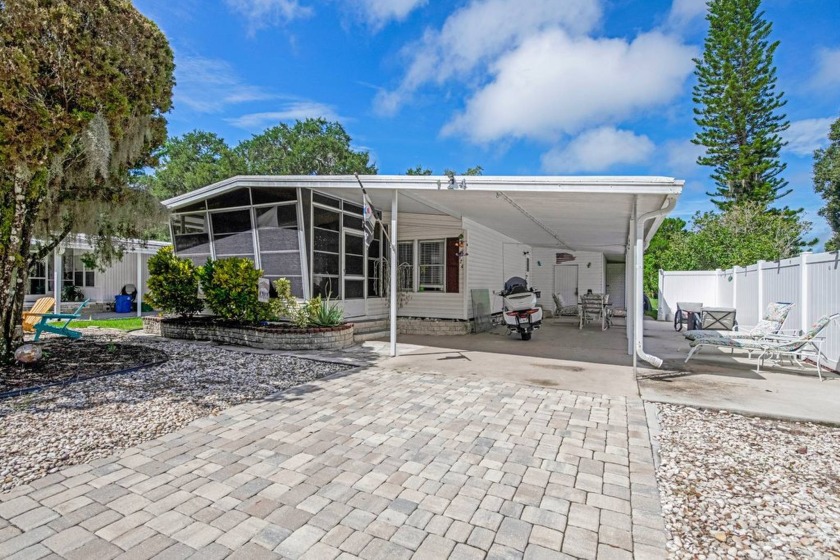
{"x":455,"y":239}
{"x":65,"y":267}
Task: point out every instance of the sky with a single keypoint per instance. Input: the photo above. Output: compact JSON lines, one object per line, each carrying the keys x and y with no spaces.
{"x":519,"y":87}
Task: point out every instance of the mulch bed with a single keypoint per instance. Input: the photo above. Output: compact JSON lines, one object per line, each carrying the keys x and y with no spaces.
{"x":66,"y":361}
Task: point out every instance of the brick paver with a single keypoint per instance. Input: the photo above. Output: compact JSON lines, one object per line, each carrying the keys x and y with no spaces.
{"x":372,"y":464}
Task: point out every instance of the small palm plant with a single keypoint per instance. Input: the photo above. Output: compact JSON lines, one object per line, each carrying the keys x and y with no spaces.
{"x":328,"y":314}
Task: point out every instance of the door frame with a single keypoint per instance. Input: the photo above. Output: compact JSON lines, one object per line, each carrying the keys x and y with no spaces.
{"x":355,"y":307}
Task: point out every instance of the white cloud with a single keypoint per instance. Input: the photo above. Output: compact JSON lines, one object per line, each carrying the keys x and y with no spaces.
{"x":209,"y":85}
{"x":807,"y":135}
{"x":294,"y":110}
{"x":685,"y":12}
{"x":557,"y":83}
{"x":597,"y":150}
{"x":265,"y":13}
{"x":380,"y":12}
{"x":473,"y":36}
{"x":828,"y":68}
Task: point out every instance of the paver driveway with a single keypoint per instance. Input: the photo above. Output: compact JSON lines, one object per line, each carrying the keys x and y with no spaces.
{"x":375,"y":464}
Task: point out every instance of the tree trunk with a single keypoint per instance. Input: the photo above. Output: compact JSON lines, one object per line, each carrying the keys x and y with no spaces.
{"x":14,"y":270}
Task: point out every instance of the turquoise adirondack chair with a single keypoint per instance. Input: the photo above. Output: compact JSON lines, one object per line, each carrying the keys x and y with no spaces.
{"x":61,"y":330}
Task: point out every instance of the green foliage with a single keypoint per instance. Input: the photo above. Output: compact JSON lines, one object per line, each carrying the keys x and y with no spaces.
{"x":418,"y":170}
{"x":741,"y":236}
{"x":325,"y":313}
{"x":189,"y":162}
{"x":84,"y":89}
{"x":737,"y":107}
{"x":285,"y":305}
{"x":231,"y":289}
{"x":309,"y":147}
{"x":659,"y":252}
{"x":69,"y":292}
{"x":827,"y":184}
{"x":173,"y":284}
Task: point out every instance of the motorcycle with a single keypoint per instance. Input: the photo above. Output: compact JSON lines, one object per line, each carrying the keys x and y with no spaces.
{"x":520,"y":309}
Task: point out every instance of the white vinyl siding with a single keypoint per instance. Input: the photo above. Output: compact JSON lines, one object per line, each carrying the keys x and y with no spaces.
{"x":486,"y":255}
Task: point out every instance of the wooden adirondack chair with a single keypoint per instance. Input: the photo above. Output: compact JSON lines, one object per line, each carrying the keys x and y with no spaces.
{"x":62,"y":330}
{"x":43,"y":305}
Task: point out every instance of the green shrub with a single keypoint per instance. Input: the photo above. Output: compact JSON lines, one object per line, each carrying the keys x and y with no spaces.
{"x":286,"y":306}
{"x":173,"y":284}
{"x":325,"y":313}
{"x":231,"y":289}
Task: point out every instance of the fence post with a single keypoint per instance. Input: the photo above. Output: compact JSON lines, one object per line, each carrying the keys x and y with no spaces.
{"x":735,"y":288}
{"x":718,"y":278}
{"x":660,"y":309}
{"x":759,"y":270}
{"x":803,"y":291}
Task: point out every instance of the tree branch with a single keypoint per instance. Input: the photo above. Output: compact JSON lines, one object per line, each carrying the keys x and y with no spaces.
{"x":45,"y":250}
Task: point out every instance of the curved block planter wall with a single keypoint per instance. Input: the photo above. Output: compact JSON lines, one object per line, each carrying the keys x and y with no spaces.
{"x":268,"y":338}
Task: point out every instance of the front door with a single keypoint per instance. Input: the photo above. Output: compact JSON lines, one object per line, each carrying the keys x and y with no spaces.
{"x":354,"y":274}
{"x":566,"y":283}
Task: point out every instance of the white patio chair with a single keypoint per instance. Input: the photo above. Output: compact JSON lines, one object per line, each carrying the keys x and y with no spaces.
{"x":771,"y":323}
{"x":592,"y":308}
{"x":796,"y":348}
{"x":561,"y":308}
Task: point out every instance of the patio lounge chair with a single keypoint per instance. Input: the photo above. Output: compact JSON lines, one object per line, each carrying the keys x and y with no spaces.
{"x":774,"y":318}
{"x":43,"y":325}
{"x":561,"y":308}
{"x":796,"y":348}
{"x":43,"y":305}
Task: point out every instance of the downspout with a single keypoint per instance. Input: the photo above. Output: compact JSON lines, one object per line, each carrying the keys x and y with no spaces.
{"x":638,"y":288}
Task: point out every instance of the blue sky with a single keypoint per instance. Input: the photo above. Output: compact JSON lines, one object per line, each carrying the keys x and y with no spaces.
{"x":532,"y":87}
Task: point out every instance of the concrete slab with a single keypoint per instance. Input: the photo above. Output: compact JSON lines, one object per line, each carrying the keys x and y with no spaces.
{"x":559,"y":356}
{"x":718,"y":379}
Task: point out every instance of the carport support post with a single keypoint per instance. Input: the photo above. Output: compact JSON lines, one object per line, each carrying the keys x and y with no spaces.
{"x":139,"y":284}
{"x":57,"y":276}
{"x":633,"y":308}
{"x":394,"y":270}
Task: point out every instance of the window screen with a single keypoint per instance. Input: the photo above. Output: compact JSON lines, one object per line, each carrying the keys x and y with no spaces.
{"x":432,"y":263}
{"x":232,"y":234}
{"x":190,"y":234}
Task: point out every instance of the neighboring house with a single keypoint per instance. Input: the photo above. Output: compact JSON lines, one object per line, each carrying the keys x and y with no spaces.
{"x":563,"y":234}
{"x":66,"y":267}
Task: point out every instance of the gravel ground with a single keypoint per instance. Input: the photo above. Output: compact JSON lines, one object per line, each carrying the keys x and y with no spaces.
{"x":734,"y":486}
{"x":42,"y":432}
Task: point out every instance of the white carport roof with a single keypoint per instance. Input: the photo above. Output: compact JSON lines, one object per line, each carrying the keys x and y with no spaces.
{"x":575,"y":213}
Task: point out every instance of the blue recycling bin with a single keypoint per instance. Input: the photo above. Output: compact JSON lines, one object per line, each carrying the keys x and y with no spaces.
{"x":122,"y":304}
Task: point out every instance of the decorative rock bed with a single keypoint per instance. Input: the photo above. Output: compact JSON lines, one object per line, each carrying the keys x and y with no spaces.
{"x":267,"y":337}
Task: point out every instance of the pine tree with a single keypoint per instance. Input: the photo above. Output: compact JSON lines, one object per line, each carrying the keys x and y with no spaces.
{"x":737,"y":106}
{"x":827,"y":184}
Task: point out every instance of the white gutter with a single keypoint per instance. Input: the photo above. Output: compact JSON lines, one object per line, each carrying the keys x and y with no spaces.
{"x":638,"y":288}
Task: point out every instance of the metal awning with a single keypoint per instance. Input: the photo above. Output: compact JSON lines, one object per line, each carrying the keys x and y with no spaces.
{"x":576,"y":213}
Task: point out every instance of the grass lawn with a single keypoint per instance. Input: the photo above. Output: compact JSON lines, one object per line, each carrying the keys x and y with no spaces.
{"x":128,"y":324}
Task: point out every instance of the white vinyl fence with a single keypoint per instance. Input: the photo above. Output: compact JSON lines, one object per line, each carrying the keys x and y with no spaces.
{"x":811,"y":281}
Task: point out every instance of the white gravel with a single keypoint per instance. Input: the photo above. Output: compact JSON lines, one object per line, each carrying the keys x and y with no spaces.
{"x":740,"y":487}
{"x":42,"y":432}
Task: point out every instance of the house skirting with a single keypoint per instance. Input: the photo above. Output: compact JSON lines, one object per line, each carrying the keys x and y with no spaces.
{"x":417,"y":325}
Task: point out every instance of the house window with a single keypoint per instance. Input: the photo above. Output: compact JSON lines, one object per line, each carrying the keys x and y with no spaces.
{"x":232,"y":235}
{"x":405,"y":269}
{"x":432,"y":263}
{"x":277,"y":231}
{"x":191,"y":237}
{"x":326,"y":257}
{"x":75,"y":271}
{"x":40,"y":280}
